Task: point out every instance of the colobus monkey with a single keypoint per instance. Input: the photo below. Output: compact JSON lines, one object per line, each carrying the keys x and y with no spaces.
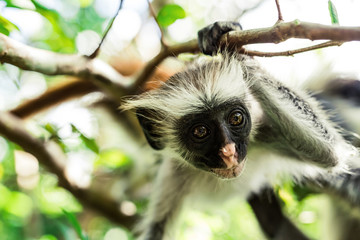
{"x":225,"y":126}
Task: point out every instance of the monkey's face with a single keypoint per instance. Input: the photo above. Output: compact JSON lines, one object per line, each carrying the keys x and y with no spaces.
{"x":216,"y":139}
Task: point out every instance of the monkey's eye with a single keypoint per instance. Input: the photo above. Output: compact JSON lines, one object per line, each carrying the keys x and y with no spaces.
{"x":200,"y":131}
{"x":236,"y":118}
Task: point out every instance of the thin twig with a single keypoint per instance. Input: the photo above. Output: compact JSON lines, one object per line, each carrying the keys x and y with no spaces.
{"x":96,"y":52}
{"x":257,"y":5}
{"x":289,"y":52}
{"x":280,"y":17}
{"x":147,"y":71}
{"x":162,"y":35}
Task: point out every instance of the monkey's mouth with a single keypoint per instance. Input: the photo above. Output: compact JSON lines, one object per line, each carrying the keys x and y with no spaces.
{"x":229,"y":173}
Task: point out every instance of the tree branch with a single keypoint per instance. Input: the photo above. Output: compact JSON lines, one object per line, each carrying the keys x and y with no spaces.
{"x":111,"y":82}
{"x":162,"y":35}
{"x":104,"y":76}
{"x":280,"y":32}
{"x":283,"y":31}
{"x":50,"y":63}
{"x":51,"y":156}
{"x":289,"y":52}
{"x":148,"y":70}
{"x":96,"y":52}
{"x":64,"y":91}
{"x":280,"y":17}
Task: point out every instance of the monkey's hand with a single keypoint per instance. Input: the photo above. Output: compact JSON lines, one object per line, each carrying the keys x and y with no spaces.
{"x":209,"y":37}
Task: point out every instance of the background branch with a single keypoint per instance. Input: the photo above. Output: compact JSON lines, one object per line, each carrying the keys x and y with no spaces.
{"x":64,"y":91}
{"x":51,"y":156}
{"x":283,"y":31}
{"x":50,"y":63}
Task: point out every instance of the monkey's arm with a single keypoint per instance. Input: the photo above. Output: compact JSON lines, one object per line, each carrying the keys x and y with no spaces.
{"x":172,"y":185}
{"x":294,"y":126}
{"x":345,"y":186}
{"x":271,"y":219}
{"x":291,"y":123}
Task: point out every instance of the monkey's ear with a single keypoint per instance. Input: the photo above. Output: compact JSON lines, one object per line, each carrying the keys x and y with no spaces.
{"x":148,"y":126}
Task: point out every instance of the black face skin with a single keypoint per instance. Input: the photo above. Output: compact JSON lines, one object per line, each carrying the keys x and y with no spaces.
{"x":205,"y":133}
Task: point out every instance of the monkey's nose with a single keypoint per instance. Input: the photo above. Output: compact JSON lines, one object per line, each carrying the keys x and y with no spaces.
{"x":228,"y":155}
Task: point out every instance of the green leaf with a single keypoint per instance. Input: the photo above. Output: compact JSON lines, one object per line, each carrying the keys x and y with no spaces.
{"x":1,"y":171}
{"x":10,"y":4}
{"x":5,"y":194}
{"x":52,"y":199}
{"x":169,"y":14}
{"x":74,"y":222}
{"x":61,"y":40}
{"x":8,"y":162}
{"x":6,"y":26}
{"x":113,"y":158}
{"x":52,"y":129}
{"x":333,"y":13}
{"x":4,"y":30}
{"x":19,"y":205}
{"x":85,"y":3}
{"x":90,"y":143}
{"x":48,"y":237}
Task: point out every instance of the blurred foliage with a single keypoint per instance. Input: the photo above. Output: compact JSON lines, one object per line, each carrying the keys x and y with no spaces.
{"x":304,"y":206}
{"x":48,"y":212}
{"x":6,"y":26}
{"x":113,"y":159}
{"x":89,"y":143}
{"x":61,"y":35}
{"x":75,"y":223}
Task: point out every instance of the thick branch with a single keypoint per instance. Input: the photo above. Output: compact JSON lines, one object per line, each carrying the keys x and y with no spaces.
{"x":283,"y":31}
{"x":54,"y":95}
{"x":280,"y":32}
{"x":50,"y":63}
{"x":50,"y":156}
{"x":113,"y":83}
{"x":105,"y":76}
